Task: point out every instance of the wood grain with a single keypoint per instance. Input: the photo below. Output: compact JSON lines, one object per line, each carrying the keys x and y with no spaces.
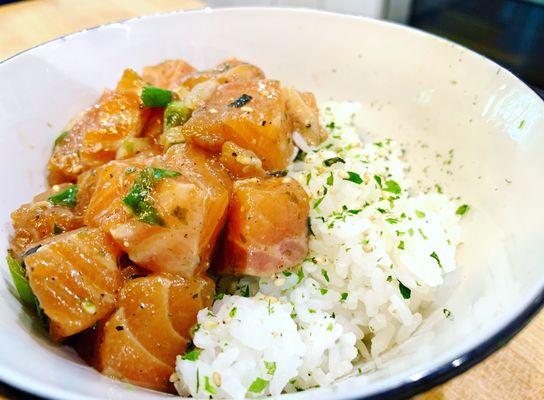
{"x":515,"y":372}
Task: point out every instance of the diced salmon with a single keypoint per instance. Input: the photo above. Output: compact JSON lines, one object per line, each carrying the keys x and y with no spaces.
{"x":250,"y":114}
{"x":75,"y":278}
{"x":140,"y":341}
{"x":304,"y":114}
{"x":192,"y":207}
{"x":95,"y":136}
{"x":40,"y":219}
{"x":168,"y":74}
{"x":231,"y":70}
{"x":267,"y":227}
{"x":241,"y":163}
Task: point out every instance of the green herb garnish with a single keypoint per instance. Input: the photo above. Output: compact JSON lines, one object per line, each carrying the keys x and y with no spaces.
{"x":139,"y":198}
{"x":406,"y":292}
{"x":461,"y":210}
{"x":156,"y":97}
{"x":270,"y":367}
{"x":435,"y":256}
{"x":193,"y":355}
{"x":330,"y":179}
{"x":61,"y":138}
{"x":392,"y":187}
{"x":300,"y":275}
{"x":208,"y":387}
{"x":232,"y":312}
{"x":420,"y":214}
{"x":330,"y":161}
{"x":176,"y":113}
{"x":401,"y":245}
{"x":68,"y":197}
{"x":343,"y":296}
{"x":378,"y":180}
{"x":21,"y":282}
{"x":354,"y":177}
{"x":258,"y":385}
{"x":325,"y":275}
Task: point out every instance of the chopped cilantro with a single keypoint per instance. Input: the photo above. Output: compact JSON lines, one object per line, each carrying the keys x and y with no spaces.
{"x":354,"y":177}
{"x":378,"y":180}
{"x":389,"y":278}
{"x":258,"y":385}
{"x":343,"y":296}
{"x":406,"y":292}
{"x":461,"y":210}
{"x":323,"y":291}
{"x":420,"y":214}
{"x":68,"y":197}
{"x":287,"y":273}
{"x":401,"y":245}
{"x":219,"y":296}
{"x":331,"y":125}
{"x":392,"y":220}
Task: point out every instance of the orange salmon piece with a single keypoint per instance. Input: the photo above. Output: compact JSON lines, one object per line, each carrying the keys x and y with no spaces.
{"x":241,"y":163}
{"x":95,"y":136}
{"x":191,"y":206}
{"x":267,"y":229}
{"x":40,"y":219}
{"x":140,"y":341}
{"x":250,"y":114}
{"x":75,"y":278}
{"x":167,"y":75}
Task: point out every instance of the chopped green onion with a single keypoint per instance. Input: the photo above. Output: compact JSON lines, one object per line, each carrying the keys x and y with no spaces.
{"x":21,"y":282}
{"x":68,"y":197}
{"x":343,"y":296}
{"x":61,"y":138}
{"x":138,"y":198}
{"x":401,"y":245}
{"x":378,"y":180}
{"x":325,"y":275}
{"x":156,"y":97}
{"x":176,"y":113}
{"x":330,"y":179}
{"x":232,"y":312}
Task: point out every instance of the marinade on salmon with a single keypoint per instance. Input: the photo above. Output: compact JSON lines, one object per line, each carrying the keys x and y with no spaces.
{"x":173,"y":177}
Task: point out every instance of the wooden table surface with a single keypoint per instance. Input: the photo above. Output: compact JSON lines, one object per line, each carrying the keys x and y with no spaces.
{"x":515,"y":372}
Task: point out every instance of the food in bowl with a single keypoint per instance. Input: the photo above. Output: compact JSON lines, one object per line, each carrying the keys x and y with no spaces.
{"x":216,"y":233}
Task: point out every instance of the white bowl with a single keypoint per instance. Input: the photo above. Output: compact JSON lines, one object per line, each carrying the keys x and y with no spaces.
{"x":414,"y":87}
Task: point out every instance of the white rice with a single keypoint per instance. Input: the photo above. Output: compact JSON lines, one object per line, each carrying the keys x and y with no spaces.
{"x":376,"y":257}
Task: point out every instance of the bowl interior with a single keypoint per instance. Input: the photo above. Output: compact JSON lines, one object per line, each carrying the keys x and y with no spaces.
{"x":428,"y":93}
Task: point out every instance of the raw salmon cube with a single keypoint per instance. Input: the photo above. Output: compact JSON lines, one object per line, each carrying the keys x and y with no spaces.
{"x":267,"y":227}
{"x":94,"y":137}
{"x":168,"y":75}
{"x":241,"y":163}
{"x":250,"y":114}
{"x":75,"y":278}
{"x":40,"y":219}
{"x":140,"y":341}
{"x":185,"y":209}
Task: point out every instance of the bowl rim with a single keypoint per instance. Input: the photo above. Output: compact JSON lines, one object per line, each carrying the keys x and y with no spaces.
{"x":407,"y":387}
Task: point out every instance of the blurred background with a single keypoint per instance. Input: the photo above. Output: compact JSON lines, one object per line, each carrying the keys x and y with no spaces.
{"x":511,"y":32}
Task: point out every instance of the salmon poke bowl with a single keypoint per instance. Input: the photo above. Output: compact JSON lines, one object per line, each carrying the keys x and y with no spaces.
{"x":210,"y":204}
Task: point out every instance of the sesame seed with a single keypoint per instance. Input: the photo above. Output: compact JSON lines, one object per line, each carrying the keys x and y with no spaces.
{"x":216,"y":379}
